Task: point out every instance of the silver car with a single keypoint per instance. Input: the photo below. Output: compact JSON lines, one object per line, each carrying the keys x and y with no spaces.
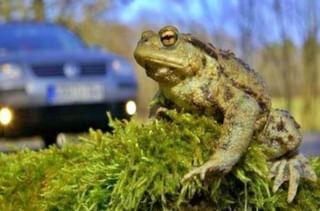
{"x":51,"y":82}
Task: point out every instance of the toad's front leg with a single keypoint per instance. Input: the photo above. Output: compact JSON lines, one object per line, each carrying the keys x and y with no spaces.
{"x":291,"y":169}
{"x":237,"y":130}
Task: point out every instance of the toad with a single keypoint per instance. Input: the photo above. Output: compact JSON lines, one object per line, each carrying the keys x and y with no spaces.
{"x":199,"y":78}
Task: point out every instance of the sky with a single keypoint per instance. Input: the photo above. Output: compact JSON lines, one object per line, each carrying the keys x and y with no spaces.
{"x":164,"y":12}
{"x":187,"y":9}
{"x":209,"y":16}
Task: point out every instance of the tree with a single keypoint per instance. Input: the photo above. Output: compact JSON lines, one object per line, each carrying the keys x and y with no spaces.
{"x":6,"y":9}
{"x":310,"y":67}
{"x":285,"y":66}
{"x":38,"y":10}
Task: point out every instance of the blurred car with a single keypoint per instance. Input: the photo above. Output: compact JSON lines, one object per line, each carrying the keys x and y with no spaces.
{"x":50,"y":82}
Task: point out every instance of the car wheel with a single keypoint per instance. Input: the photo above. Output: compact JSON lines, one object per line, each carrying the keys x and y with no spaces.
{"x":49,"y":139}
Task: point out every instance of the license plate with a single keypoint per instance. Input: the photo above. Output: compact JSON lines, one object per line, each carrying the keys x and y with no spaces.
{"x":75,"y":93}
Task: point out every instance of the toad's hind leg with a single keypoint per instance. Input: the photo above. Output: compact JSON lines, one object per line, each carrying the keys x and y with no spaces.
{"x":281,"y":139}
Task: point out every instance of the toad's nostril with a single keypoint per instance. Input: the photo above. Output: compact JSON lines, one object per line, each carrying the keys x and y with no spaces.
{"x":146,"y":35}
{"x":144,"y":39}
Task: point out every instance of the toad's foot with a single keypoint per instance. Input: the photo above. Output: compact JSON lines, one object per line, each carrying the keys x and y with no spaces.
{"x":161,"y":113}
{"x":210,"y":166}
{"x":291,"y":170}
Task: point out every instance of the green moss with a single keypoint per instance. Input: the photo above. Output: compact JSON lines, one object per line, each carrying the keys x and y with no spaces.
{"x":139,"y":167}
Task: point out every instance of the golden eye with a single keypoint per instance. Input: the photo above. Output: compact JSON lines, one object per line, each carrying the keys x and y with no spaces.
{"x":168,"y":35}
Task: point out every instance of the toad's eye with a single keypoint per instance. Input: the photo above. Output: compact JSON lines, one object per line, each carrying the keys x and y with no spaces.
{"x":168,"y":36}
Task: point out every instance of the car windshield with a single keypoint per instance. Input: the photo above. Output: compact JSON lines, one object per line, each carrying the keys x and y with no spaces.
{"x":37,"y":38}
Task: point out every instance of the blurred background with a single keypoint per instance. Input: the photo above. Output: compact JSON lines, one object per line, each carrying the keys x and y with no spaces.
{"x":279,"y":39}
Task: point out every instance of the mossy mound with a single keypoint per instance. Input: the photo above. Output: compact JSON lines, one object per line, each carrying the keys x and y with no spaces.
{"x":139,"y":167}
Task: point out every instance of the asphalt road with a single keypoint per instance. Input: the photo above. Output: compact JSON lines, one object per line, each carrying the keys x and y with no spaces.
{"x":311,"y":144}
{"x":7,"y":145}
{"x":309,"y":147}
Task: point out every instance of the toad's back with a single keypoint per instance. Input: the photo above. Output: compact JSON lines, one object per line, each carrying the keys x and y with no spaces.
{"x":241,"y":75}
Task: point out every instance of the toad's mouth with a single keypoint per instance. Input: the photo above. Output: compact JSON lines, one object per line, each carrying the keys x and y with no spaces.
{"x":163,"y":63}
{"x":162,"y":70}
{"x":161,"y":73}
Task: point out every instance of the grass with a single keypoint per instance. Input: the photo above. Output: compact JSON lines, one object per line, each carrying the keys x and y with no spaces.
{"x":139,"y":167}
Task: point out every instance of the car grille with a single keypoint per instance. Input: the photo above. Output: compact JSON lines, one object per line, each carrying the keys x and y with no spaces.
{"x":48,"y":70}
{"x":57,"y":70}
{"x":93,"y":69}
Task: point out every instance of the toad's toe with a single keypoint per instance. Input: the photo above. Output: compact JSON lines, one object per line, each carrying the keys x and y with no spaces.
{"x":274,"y":168}
{"x":306,"y":170}
{"x":281,"y":175}
{"x":294,"y":178}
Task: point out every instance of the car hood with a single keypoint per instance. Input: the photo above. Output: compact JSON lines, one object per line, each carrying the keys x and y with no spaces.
{"x":56,"y":57}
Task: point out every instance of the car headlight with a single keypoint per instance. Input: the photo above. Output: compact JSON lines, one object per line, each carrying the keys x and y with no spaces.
{"x":131,"y":107}
{"x":10,"y":71}
{"x":121,"y":67}
{"x":6,"y":116}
